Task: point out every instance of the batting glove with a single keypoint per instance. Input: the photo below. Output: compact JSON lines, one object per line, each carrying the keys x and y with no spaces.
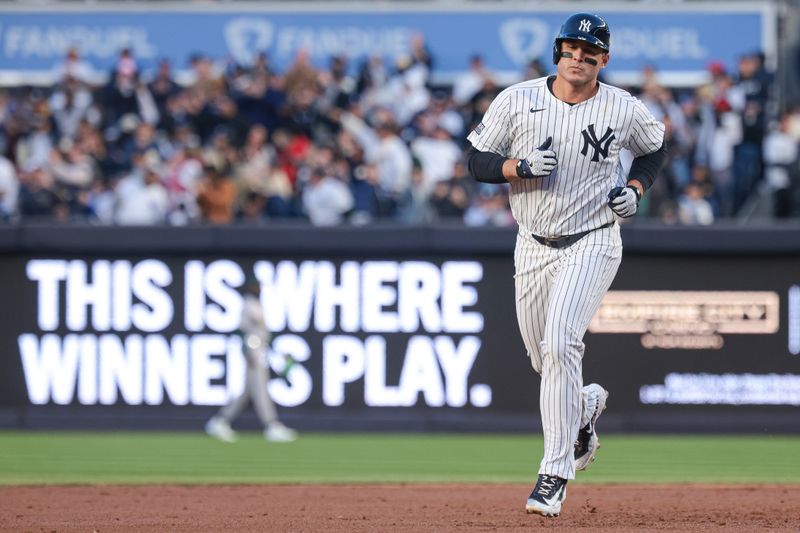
{"x":624,"y":201}
{"x":539,"y":164}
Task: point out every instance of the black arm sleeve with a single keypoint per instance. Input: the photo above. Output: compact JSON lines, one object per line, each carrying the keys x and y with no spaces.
{"x":485,"y":166}
{"x":645,"y":168}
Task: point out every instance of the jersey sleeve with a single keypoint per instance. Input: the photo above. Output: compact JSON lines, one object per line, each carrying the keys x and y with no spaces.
{"x":646,"y":134}
{"x":491,"y":135}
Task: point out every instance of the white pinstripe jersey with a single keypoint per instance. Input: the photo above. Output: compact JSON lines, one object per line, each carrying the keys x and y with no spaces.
{"x":587,"y":139}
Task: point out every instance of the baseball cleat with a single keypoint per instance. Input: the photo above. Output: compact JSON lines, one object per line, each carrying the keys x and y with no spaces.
{"x":547,"y":495}
{"x":277,"y":432}
{"x":220,"y":429}
{"x":588,"y":443}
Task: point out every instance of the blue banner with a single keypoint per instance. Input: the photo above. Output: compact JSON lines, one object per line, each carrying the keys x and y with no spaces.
{"x":678,"y":40}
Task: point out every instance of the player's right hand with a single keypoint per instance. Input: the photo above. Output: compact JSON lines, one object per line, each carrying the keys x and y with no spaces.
{"x":539,"y":164}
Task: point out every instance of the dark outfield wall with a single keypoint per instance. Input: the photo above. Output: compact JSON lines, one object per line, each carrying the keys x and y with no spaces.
{"x":393,"y":328}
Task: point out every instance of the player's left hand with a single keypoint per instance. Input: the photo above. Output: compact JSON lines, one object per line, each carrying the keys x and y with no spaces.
{"x":624,"y":201}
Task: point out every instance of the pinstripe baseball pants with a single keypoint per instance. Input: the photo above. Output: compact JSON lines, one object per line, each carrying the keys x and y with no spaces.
{"x":558,"y":292}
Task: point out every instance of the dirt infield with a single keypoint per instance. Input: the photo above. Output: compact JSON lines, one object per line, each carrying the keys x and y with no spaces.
{"x":403,"y":508}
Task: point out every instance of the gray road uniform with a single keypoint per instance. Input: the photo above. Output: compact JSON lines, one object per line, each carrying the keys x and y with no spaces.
{"x":255,"y":341}
{"x":568,"y":245}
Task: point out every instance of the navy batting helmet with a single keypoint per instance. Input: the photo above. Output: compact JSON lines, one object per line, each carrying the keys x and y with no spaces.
{"x":583,"y":27}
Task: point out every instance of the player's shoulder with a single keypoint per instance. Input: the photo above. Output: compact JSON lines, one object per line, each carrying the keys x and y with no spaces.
{"x":523,"y":86}
{"x":618,"y":94}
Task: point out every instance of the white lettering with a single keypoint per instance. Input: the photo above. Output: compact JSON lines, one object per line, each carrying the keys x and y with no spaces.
{"x":286,"y":294}
{"x":47,"y":273}
{"x":220,"y":279}
{"x":194,"y":299}
{"x":456,"y":365}
{"x":54,"y":41}
{"x":456,"y":295}
{"x":87,"y":371}
{"x":342,"y":362}
{"x":205,"y":368}
{"x":50,"y":368}
{"x":376,"y":295}
{"x":82,"y":294}
{"x":376,"y":392}
{"x":421,"y":374}
{"x":121,"y":295}
{"x":166,"y":369}
{"x":662,"y":43}
{"x":120,"y":368}
{"x":419,"y":287}
{"x":148,"y":279}
{"x":329,"y":296}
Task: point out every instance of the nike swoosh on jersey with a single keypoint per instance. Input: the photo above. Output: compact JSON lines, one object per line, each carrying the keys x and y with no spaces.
{"x":537,"y":110}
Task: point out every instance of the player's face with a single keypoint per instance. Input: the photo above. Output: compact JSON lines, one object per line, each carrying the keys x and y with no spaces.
{"x":576,"y":69}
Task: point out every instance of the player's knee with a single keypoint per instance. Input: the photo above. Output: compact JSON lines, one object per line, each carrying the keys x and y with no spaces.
{"x":562,"y":352}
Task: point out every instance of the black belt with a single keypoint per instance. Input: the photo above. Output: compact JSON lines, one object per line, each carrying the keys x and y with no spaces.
{"x":566,"y":240}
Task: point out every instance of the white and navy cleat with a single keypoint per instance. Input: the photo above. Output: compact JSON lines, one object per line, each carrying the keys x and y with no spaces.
{"x":547,"y":496}
{"x":588,"y":443}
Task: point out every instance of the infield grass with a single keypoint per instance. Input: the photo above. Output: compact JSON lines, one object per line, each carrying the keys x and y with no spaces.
{"x":189,"y":458}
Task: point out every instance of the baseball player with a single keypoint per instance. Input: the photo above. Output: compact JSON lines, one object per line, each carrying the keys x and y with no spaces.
{"x":557,"y":141}
{"x":255,"y":340}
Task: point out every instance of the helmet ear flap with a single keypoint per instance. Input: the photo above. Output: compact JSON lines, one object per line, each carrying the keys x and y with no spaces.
{"x":556,"y":51}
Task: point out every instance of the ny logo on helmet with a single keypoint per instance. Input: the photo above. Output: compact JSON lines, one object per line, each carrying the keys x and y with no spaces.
{"x":585,"y":25}
{"x":600,"y":145}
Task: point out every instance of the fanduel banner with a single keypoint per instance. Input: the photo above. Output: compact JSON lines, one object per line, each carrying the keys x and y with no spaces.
{"x":679,"y":40}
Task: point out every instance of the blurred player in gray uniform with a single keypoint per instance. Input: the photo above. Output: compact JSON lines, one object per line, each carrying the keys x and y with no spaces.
{"x":255,"y":341}
{"x":557,"y":141}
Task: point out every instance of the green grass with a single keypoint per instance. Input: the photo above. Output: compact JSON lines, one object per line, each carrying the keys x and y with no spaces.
{"x":137,"y":458}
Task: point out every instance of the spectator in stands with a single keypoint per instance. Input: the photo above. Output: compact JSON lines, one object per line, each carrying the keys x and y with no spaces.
{"x":450,"y":199}
{"x":70,"y":104}
{"x":754,"y":88}
{"x":447,"y":114}
{"x":252,"y":209}
{"x":534,"y":69}
{"x":257,"y":173}
{"x":143,"y":202}
{"x":216,"y":196}
{"x":33,"y":147}
{"x":726,"y":136}
{"x":372,"y":75}
{"x":693,"y":209}
{"x":781,"y":156}
{"x":419,"y":52}
{"x":9,"y":187}
{"x":490,"y":208}
{"x":301,"y":81}
{"x":163,"y":87}
{"x":468,"y":84}
{"x":365,"y":188}
{"x":37,"y":198}
{"x":407,"y":92}
{"x":73,"y":67}
{"x":338,"y":86}
{"x":74,"y":172}
{"x":183,"y":172}
{"x":383,"y":147}
{"x":326,"y":199}
{"x":436,"y":152}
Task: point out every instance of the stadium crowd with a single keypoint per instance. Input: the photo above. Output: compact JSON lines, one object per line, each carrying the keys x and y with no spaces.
{"x":346,"y":144}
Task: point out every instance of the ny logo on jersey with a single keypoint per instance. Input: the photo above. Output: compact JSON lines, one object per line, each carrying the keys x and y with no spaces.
{"x":585,"y":25}
{"x":600,"y":145}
